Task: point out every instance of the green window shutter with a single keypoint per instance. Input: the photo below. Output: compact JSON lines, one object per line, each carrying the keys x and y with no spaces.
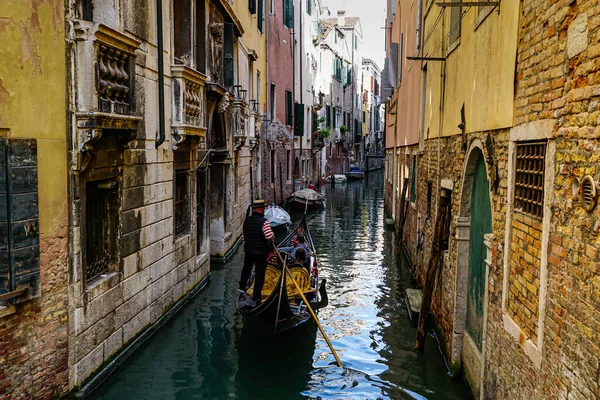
{"x":328,"y":116}
{"x":288,"y":13}
{"x":228,"y":55}
{"x":413,"y":184}
{"x":252,"y":6}
{"x":299,"y":123}
{"x":22,"y":216}
{"x":289,"y":117}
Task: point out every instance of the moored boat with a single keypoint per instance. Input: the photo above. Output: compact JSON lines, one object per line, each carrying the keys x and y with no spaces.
{"x":277,"y":217}
{"x":305,"y":199}
{"x":355,"y":173}
{"x":282,"y":308}
{"x":338,"y":178}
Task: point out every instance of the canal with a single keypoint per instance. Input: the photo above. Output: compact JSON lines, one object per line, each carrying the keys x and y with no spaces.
{"x":205,"y":352}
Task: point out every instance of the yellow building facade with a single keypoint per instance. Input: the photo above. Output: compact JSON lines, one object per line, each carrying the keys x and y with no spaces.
{"x":33,"y":199}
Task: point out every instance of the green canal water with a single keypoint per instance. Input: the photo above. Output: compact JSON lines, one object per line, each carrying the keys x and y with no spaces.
{"x":206,"y":352}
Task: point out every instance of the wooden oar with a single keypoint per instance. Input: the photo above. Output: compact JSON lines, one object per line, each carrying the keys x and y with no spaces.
{"x":286,"y":270}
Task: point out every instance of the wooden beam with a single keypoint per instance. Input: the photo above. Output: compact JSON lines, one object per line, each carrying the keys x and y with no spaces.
{"x":468,"y":4}
{"x":432,"y":271}
{"x":10,"y":295}
{"x":427,"y":58}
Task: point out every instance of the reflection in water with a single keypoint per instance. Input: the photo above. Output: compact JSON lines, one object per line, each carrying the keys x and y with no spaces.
{"x":207,"y":352}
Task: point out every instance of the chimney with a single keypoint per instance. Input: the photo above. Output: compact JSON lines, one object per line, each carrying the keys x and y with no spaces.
{"x":341,"y":17}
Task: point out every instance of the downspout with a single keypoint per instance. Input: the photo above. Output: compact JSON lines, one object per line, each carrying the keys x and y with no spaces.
{"x":353,"y":94}
{"x":161,"y":76}
{"x":441,"y":118}
{"x":261,"y":143}
{"x":301,"y":42}
{"x":292,"y":44}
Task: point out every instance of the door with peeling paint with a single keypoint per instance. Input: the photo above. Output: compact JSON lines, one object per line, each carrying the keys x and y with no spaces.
{"x":481,"y":224}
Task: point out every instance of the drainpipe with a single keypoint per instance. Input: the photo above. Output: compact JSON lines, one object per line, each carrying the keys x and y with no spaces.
{"x":161,"y":76}
{"x":261,"y":143}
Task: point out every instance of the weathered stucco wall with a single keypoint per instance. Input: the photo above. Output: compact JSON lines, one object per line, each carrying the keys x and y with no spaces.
{"x":33,"y":335}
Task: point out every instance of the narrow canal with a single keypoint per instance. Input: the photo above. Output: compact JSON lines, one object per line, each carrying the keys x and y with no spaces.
{"x":205,"y":352}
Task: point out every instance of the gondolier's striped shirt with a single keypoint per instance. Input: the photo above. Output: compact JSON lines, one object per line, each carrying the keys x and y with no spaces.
{"x":267,"y":231}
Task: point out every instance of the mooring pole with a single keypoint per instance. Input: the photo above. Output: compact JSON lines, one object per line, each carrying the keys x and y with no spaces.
{"x":432,"y":270}
{"x":281,"y":183}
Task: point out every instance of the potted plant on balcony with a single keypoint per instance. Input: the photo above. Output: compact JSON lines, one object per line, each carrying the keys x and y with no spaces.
{"x":343,"y":129}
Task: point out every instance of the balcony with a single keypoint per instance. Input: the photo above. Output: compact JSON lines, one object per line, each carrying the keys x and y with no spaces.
{"x":104,"y":85}
{"x":189,"y":105}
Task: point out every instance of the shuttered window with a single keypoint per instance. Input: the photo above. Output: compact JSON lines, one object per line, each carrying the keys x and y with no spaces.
{"x":328,"y":116}
{"x":299,"y":123}
{"x":289,"y":118}
{"x":413,"y":184}
{"x":288,"y":13}
{"x":260,"y":15}
{"x":252,"y":6}
{"x":228,"y":55}
{"x":19,"y":225}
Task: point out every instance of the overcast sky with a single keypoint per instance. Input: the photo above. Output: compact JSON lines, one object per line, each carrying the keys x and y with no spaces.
{"x":372,"y":19}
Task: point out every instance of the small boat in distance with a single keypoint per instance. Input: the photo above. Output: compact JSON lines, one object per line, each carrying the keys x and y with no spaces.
{"x":339,"y":178}
{"x":355,"y":173}
{"x":305,"y":198}
{"x":277,"y":217}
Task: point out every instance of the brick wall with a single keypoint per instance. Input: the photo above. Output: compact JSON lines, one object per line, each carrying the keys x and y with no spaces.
{"x":524,"y":276}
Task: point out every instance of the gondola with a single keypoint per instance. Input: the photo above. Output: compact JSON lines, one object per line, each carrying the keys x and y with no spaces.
{"x":281,"y":308}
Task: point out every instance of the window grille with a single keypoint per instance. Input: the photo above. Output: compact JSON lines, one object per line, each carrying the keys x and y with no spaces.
{"x":181,"y":204}
{"x":101,"y":226}
{"x":529,"y":179}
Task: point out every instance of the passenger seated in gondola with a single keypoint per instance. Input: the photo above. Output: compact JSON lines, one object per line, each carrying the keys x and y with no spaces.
{"x":302,"y":259}
{"x":298,"y":241}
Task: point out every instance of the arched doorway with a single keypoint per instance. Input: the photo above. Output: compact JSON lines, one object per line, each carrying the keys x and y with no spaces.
{"x":481,"y":224}
{"x":473,"y":224}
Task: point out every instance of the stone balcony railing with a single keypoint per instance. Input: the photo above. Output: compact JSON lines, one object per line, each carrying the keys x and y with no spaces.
{"x":189,"y":103}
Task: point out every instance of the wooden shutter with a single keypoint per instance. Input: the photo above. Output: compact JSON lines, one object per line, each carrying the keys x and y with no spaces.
{"x":23,"y":223}
{"x":328,"y":116}
{"x":289,"y":118}
{"x":299,"y":122}
{"x":5,"y":284}
{"x":288,"y":13}
{"x":228,"y":55}
{"x":252,"y":6}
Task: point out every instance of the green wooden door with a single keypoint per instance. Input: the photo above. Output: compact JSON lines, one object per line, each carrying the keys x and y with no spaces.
{"x":481,"y":223}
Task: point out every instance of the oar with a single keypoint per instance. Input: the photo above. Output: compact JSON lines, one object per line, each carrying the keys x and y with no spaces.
{"x":339,"y":363}
{"x":280,"y":293}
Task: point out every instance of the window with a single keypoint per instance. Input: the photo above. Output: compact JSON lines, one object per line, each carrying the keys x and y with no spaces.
{"x":272,"y":6}
{"x":289,"y":117}
{"x":338,"y":149}
{"x":287,"y":158}
{"x":19,"y":227}
{"x":189,"y":25}
{"x":413,"y":185}
{"x":288,"y":13}
{"x":447,"y":222}
{"x":260,"y":17}
{"x":258,"y":88}
{"x":308,"y":121}
{"x":182,"y":224}
{"x":299,"y":122}
{"x":455,"y":23}
{"x":309,"y":7}
{"x":273,"y":166}
{"x":273,"y":101}
{"x":101,"y":225}
{"x":228,"y":55}
{"x":529,"y":179}
{"x":201,"y":212}
{"x":429,"y":193}
{"x":328,"y":115}
{"x":252,"y":6}
{"x":330,"y":150}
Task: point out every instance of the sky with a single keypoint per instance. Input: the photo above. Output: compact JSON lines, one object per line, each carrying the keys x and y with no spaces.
{"x":372,"y":19}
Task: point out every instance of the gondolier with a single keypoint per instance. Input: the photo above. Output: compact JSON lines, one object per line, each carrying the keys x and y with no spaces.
{"x":258,"y":240}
